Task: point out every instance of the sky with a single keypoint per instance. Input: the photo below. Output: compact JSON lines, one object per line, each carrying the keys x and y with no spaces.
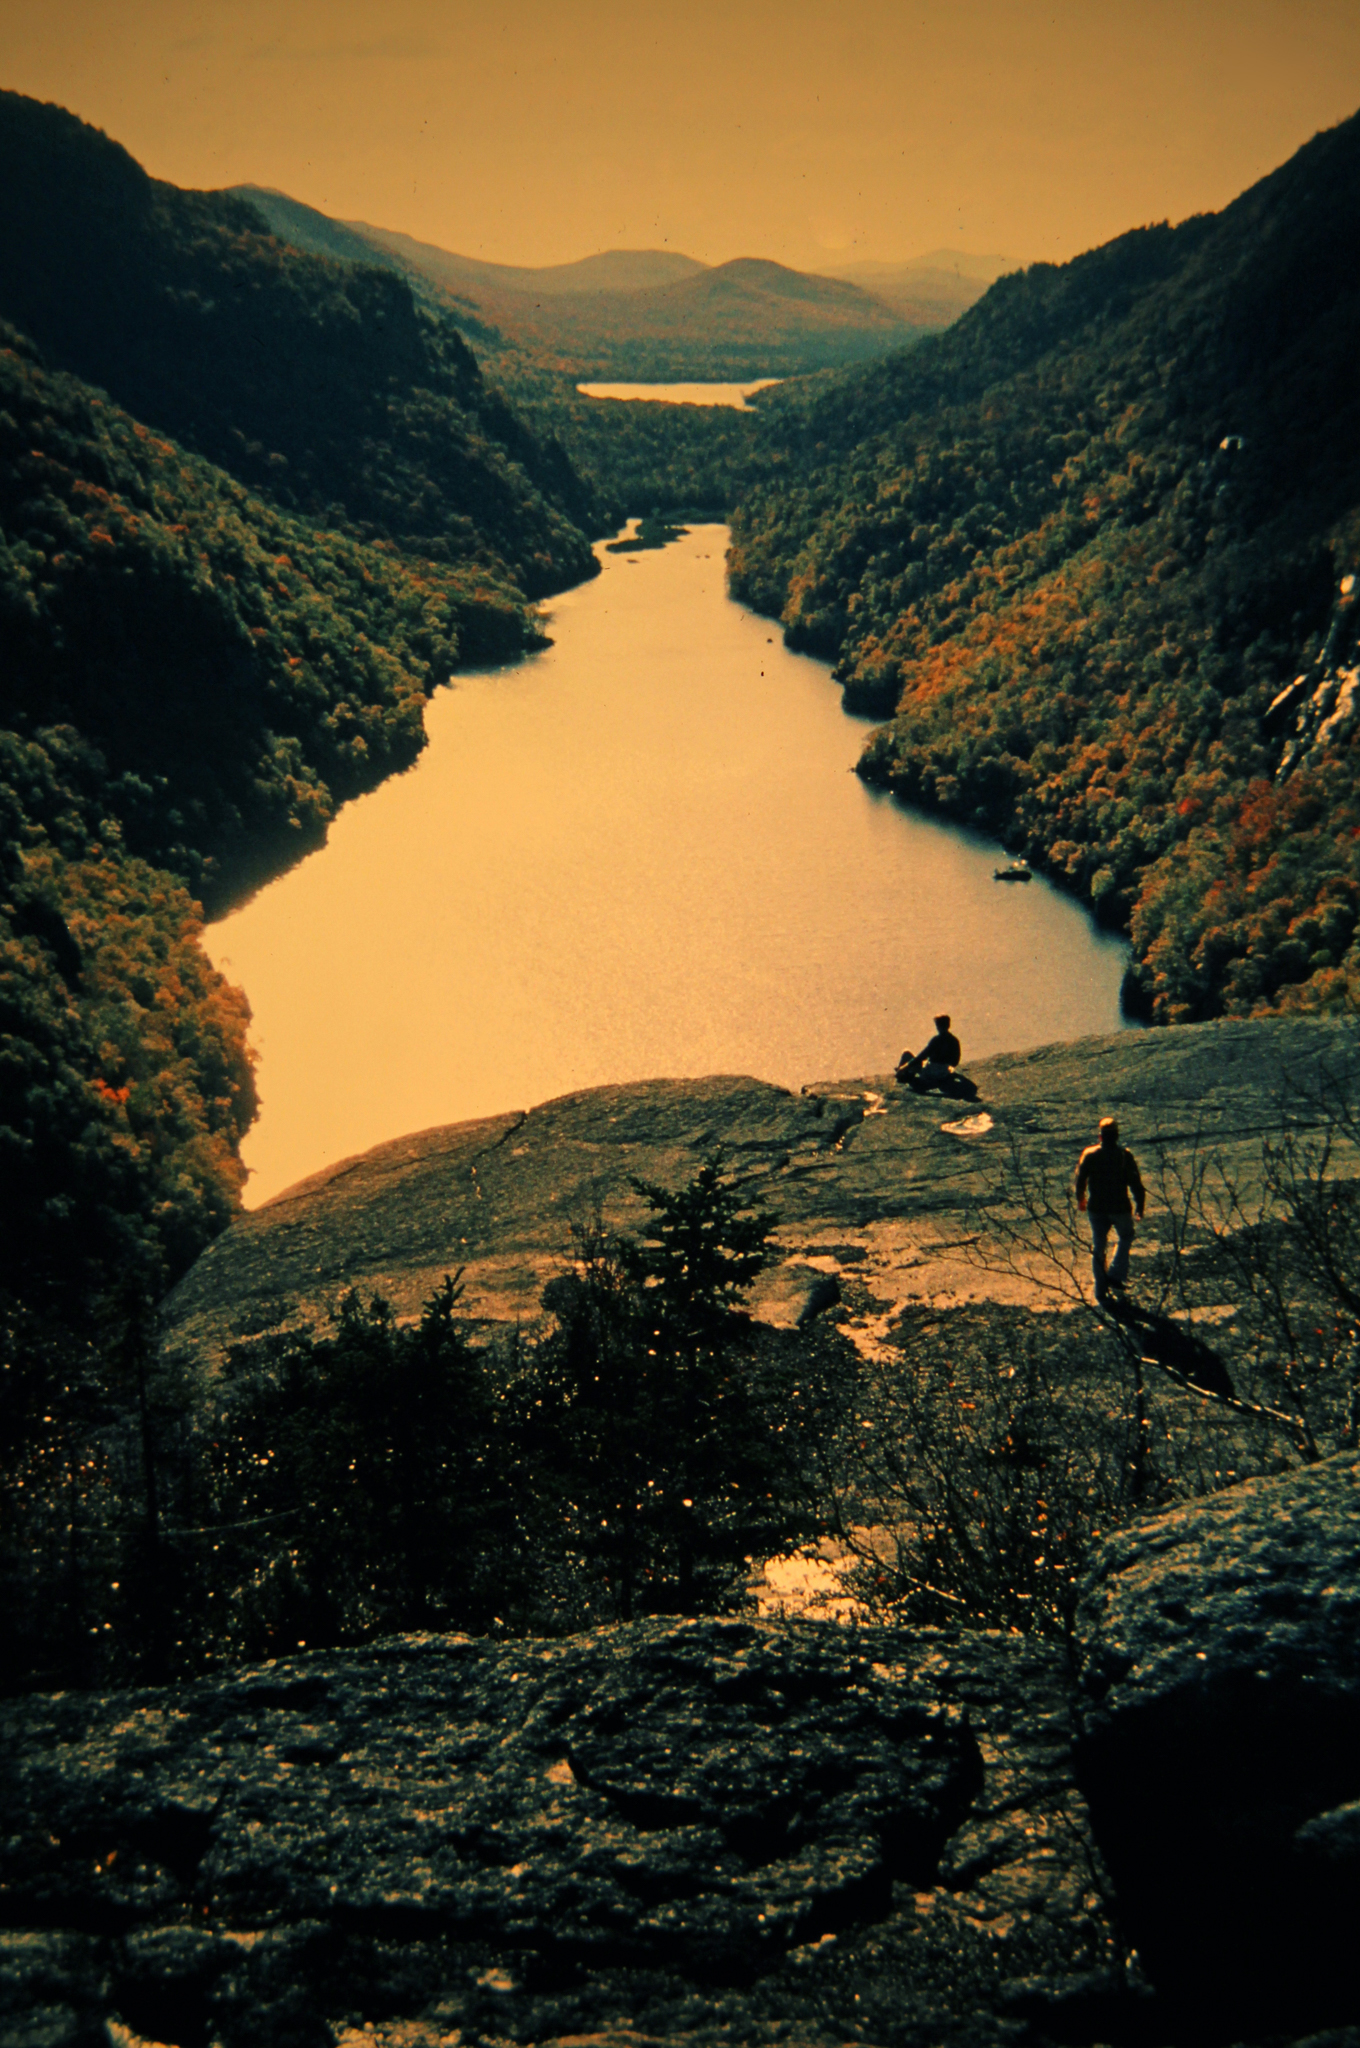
{"x":815,"y":132}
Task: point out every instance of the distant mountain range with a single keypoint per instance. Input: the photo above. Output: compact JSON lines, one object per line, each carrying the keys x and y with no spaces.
{"x":931,"y":290}
{"x":655,"y":313}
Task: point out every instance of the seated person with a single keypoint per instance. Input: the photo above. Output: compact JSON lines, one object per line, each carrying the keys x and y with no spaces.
{"x":933,"y":1066}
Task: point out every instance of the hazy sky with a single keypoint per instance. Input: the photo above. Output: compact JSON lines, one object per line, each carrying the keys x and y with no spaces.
{"x":812,"y":131}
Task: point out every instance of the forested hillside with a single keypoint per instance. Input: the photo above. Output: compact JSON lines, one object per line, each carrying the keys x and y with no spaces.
{"x":240,"y":670}
{"x":192,"y":681}
{"x":320,"y":383}
{"x":1078,"y":544}
{"x":254,"y":506}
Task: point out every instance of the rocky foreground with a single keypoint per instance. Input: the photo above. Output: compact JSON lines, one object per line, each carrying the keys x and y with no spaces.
{"x":731,"y":1831}
{"x":748,"y":1830}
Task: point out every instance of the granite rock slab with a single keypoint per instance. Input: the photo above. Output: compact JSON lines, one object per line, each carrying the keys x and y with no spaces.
{"x":884,"y":1199}
{"x":695,"y":1831}
{"x":1219,"y":1743}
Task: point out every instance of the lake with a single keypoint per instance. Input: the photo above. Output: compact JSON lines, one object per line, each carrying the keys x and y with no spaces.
{"x":641,"y":852}
{"x":734,"y":395}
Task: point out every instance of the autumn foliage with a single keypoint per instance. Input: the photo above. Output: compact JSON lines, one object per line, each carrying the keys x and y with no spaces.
{"x":1075,"y":546}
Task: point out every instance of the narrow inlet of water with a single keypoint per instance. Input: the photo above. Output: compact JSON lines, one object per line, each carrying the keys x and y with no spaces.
{"x":642,"y":852}
{"x":734,"y":395}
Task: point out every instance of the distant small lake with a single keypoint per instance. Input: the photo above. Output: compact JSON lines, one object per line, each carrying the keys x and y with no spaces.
{"x":734,"y":395}
{"x":641,"y":852}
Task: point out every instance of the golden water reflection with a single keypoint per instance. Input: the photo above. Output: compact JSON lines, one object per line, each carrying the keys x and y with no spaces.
{"x":639,"y":853}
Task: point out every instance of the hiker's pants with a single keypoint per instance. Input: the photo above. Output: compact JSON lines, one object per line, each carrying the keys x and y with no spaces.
{"x":1102,"y":1223}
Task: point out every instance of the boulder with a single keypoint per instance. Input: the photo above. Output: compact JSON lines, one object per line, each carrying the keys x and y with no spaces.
{"x":1218,"y":1745}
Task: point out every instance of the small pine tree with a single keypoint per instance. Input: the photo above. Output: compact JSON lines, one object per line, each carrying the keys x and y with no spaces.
{"x":655,"y":1452}
{"x":699,"y":1255}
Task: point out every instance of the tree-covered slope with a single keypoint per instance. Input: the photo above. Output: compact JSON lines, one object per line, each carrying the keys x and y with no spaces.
{"x":254,"y":505}
{"x":240,"y":671}
{"x":191,"y":681}
{"x":321,"y":383}
{"x":303,"y":227}
{"x":1079,"y":543}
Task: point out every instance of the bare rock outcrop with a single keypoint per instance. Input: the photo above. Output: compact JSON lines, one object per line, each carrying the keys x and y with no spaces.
{"x":679,"y":1831}
{"x":1219,"y":1712}
{"x":876,"y":1190}
{"x":1317,"y":712}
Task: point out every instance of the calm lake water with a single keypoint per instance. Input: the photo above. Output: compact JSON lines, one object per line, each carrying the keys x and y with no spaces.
{"x":640,"y":853}
{"x":682,"y":394}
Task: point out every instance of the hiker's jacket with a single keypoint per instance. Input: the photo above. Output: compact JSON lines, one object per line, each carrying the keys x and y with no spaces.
{"x":1107,"y":1175}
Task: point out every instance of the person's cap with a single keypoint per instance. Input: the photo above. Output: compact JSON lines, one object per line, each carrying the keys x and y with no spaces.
{"x":942,"y":1021}
{"x":1110,"y":1124}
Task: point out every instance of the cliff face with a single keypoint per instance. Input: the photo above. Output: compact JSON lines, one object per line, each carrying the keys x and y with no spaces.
{"x":876,"y":1189}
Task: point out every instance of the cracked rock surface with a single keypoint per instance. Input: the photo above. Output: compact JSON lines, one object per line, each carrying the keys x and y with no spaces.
{"x":875,"y":1188}
{"x":1219,"y":1712}
{"x":703,"y":1830}
{"x":730,"y":1831}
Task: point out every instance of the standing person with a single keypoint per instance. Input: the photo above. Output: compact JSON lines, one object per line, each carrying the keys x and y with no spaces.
{"x":1107,"y":1174}
{"x":933,"y":1066}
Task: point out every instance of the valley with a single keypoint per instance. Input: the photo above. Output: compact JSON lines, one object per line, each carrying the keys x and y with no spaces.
{"x":582,"y":788}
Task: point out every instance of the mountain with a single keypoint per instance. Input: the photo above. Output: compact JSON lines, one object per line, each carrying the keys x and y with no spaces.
{"x":744,"y":319}
{"x":304,"y":228}
{"x":611,"y":270}
{"x":637,"y":315}
{"x":739,"y":320}
{"x":1079,"y":544}
{"x":323,"y":384}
